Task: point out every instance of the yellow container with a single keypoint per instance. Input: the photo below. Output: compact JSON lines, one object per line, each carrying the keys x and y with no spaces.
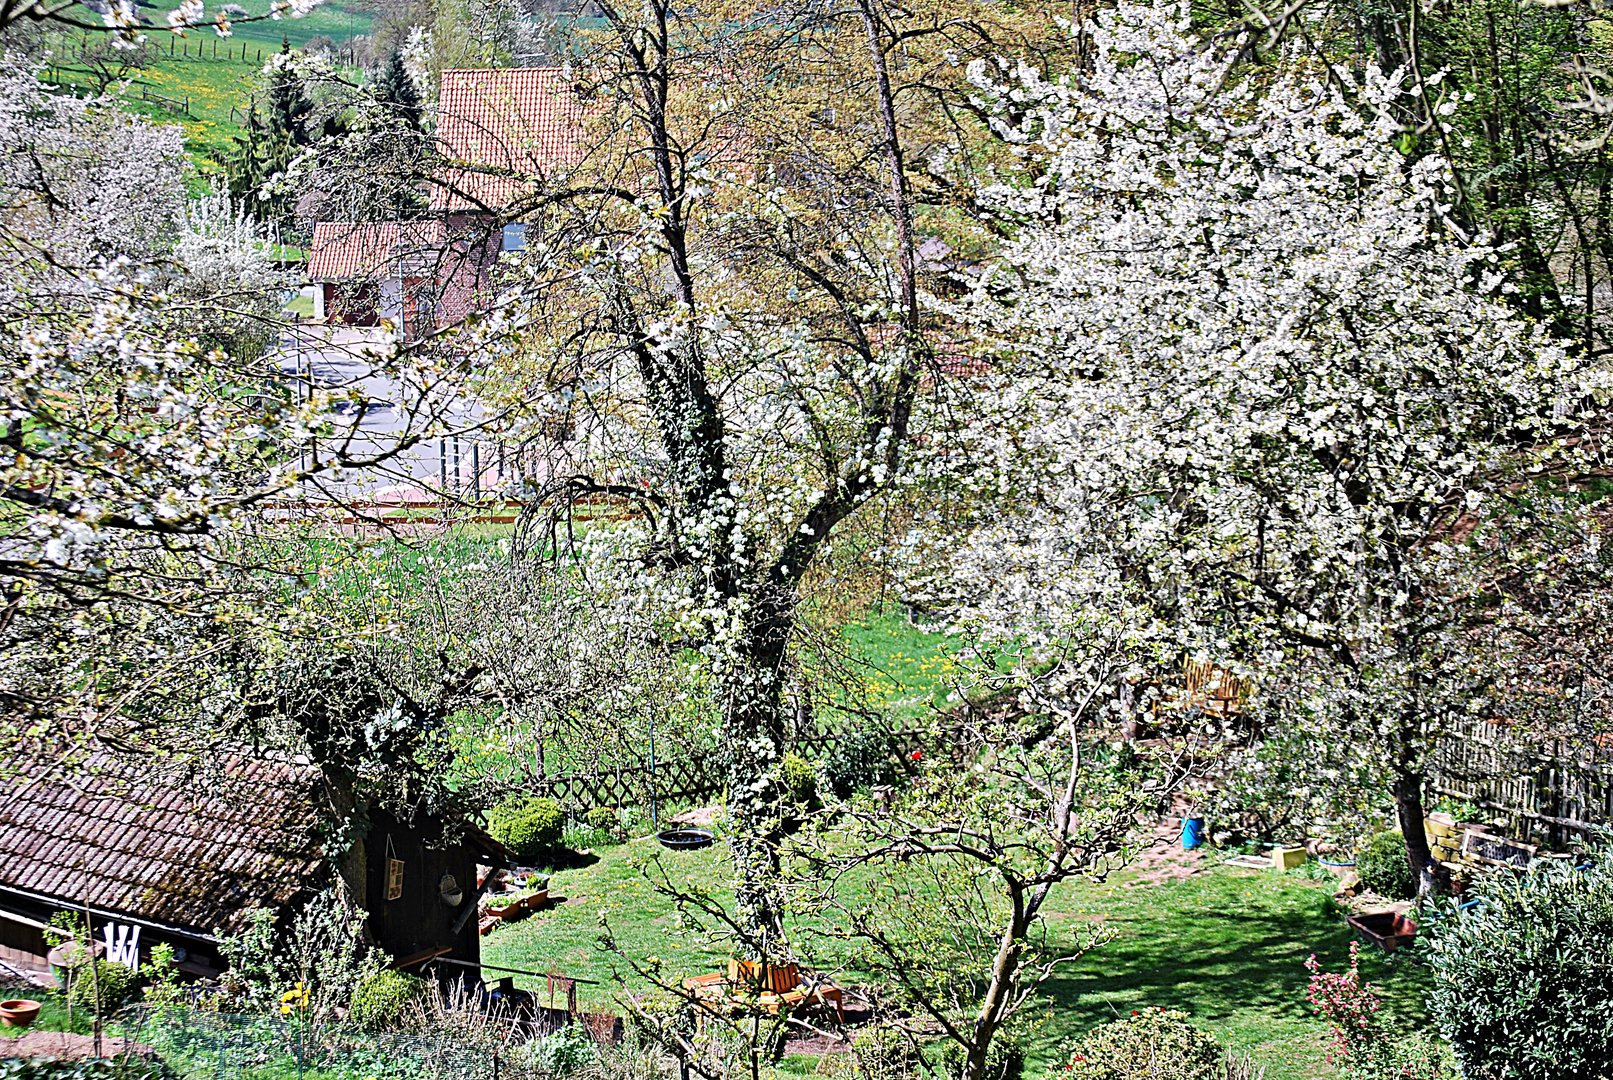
{"x":1287,"y":858}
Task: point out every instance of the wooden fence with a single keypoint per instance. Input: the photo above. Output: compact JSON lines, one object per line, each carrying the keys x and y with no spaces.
{"x":684,"y":779}
{"x":1550,"y":790}
{"x":207,"y":48}
{"x":172,"y":104}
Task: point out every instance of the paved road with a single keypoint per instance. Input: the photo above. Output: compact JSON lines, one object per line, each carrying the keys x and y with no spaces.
{"x":388,"y":407}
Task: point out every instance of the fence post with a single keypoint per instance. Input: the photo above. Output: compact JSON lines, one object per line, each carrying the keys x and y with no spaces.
{"x":655,"y":812}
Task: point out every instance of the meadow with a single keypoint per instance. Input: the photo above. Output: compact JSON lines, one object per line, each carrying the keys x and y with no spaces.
{"x":200,"y":81}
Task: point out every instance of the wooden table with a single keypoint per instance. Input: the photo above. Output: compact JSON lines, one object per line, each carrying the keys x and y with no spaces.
{"x":718,"y":989}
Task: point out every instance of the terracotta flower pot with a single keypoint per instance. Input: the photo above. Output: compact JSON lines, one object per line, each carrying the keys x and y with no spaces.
{"x":512,"y":910}
{"x":18,"y":1012}
{"x":535,"y":901}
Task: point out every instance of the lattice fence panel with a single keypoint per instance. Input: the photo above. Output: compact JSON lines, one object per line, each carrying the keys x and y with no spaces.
{"x":687,"y":778}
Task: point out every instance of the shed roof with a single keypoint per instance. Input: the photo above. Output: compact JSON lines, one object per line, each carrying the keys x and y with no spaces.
{"x":188,"y":845}
{"x":344,"y":250}
{"x":514,"y":123}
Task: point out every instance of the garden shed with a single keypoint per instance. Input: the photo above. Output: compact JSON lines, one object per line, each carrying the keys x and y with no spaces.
{"x":179,"y":852}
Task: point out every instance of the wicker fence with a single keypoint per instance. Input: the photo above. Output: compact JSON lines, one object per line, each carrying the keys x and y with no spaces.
{"x":1550,"y":790}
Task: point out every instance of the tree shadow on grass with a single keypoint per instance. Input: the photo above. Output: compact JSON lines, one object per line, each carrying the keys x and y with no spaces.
{"x":1232,"y":963}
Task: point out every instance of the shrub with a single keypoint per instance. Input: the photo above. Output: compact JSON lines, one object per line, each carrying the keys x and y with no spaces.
{"x":1359,"y":1044}
{"x":380,"y":999}
{"x":798,"y":782}
{"x":856,"y":761}
{"x":607,"y":822}
{"x":1349,"y":1006}
{"x":529,"y":826}
{"x":102,"y":989}
{"x":1005,"y":1060}
{"x":1150,"y":1044}
{"x":1383,"y":868}
{"x":654,"y":1016}
{"x":323,"y":950}
{"x":161,"y":973}
{"x":557,"y":1056}
{"x":882,"y":1053}
{"x":1521,"y":986}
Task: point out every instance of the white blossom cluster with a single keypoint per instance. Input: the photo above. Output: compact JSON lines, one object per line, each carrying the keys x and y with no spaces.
{"x":140,"y":423}
{"x":1249,"y":380}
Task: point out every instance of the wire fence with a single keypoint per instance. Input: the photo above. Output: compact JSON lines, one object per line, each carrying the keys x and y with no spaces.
{"x":198,"y":1044}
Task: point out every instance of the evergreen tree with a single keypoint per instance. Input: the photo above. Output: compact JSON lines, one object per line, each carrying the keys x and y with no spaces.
{"x":258,"y":154}
{"x":396,"y":93}
{"x":287,"y":112}
{"x":279,"y":124}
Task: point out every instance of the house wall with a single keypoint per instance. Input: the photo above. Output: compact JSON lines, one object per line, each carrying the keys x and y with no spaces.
{"x":21,"y":945}
{"x":466,"y":273}
{"x":391,"y":300}
{"x":354,"y":303}
{"x":321,"y":291}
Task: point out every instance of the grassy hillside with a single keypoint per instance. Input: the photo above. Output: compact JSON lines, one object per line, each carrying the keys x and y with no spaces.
{"x":214,"y":90}
{"x":214,"y":76}
{"x":334,"y":19}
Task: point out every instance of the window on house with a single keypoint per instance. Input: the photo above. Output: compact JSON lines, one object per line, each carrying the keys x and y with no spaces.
{"x":514,"y":236}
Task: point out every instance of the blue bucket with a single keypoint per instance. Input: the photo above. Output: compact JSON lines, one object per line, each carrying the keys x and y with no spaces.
{"x":1192,"y":833}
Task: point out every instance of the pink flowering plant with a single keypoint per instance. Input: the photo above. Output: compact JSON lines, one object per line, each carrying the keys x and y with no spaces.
{"x":1349,"y":1005}
{"x":1361,"y":1044}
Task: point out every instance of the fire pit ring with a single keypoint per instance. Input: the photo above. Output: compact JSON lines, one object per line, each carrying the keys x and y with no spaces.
{"x":685,"y":839}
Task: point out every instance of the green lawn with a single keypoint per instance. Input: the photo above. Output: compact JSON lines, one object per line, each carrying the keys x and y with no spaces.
{"x":904,"y":672}
{"x":1226,"y":945}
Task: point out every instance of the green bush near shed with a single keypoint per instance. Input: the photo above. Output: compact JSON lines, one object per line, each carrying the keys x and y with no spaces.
{"x":528,"y":825}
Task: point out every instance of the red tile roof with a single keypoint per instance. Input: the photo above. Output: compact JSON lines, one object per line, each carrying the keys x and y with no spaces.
{"x":951,"y":356}
{"x":191,"y":846}
{"x":343,"y":250}
{"x":521,"y":122}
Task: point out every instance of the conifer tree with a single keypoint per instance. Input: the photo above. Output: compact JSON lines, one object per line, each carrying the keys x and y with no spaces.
{"x":396,"y":93}
{"x":287,"y":112}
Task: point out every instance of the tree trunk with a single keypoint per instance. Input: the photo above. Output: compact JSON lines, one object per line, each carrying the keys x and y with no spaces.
{"x":1431,"y":878}
{"x":999,"y":993}
{"x":754,"y":740}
